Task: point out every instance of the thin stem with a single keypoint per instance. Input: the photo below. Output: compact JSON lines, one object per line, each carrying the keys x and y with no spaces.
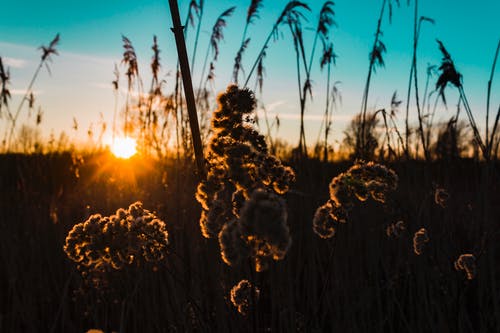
{"x":198,"y":28}
{"x":327,"y":107}
{"x":28,"y":91}
{"x":367,"y":86}
{"x":489,"y":141}
{"x":188,"y":87}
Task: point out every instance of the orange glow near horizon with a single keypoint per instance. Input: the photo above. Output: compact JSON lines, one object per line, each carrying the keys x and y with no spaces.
{"x":124,"y":147}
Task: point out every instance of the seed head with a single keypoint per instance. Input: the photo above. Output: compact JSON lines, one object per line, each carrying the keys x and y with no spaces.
{"x":441,"y":197}
{"x":263,"y":225}
{"x":420,"y":239}
{"x":104,"y":243}
{"x":243,"y":295}
{"x":324,"y":222}
{"x":395,"y":230}
{"x":467,"y":263}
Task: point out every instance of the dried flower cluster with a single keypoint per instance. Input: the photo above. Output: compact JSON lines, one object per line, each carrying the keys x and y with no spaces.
{"x":105,"y":243}
{"x":261,"y":233}
{"x":419,"y":240}
{"x":441,"y":197}
{"x":241,"y":296}
{"x":240,"y":195}
{"x":467,"y":263}
{"x":362,"y":181}
{"x":395,"y":230}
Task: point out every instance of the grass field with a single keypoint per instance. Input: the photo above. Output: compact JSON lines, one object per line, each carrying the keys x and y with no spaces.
{"x":359,"y":280}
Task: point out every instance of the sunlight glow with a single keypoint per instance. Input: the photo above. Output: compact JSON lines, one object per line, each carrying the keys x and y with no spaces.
{"x":124,"y":147}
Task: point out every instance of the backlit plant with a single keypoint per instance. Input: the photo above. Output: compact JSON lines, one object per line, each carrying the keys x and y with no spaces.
{"x":130,"y":237}
{"x":362,"y":181}
{"x":240,"y":196}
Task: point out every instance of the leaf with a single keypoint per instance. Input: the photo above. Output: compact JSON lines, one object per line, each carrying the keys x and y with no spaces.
{"x":428,"y":19}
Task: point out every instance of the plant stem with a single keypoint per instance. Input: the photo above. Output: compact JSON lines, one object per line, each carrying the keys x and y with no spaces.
{"x":18,"y":111}
{"x":198,"y":28}
{"x":489,"y":141}
{"x":188,"y":87}
{"x":364,"y":101}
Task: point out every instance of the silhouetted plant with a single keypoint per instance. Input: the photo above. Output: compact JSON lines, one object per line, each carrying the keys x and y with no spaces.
{"x":215,"y":38}
{"x":243,"y":295}
{"x":490,"y":140}
{"x":240,"y":195}
{"x":4,"y":92}
{"x":420,"y":240}
{"x":131,"y":237}
{"x":198,"y":8}
{"x":325,"y":23}
{"x":449,"y":74}
{"x":352,"y":136}
{"x":451,"y":140}
{"x":414,"y":78}
{"x":45,"y":59}
{"x":467,"y":263}
{"x":252,"y":13}
{"x":376,"y":59}
{"x":292,"y":9}
{"x":362,"y":181}
{"x":132,"y":74}
{"x":395,"y":230}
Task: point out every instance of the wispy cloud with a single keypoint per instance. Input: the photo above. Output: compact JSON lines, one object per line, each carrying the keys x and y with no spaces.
{"x":14,"y":62}
{"x":274,"y":105}
{"x":101,"y":85}
{"x":308,"y":117}
{"x":272,"y":110}
{"x":22,"y":92}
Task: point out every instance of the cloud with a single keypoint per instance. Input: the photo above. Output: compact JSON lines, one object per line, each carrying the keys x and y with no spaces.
{"x":14,"y":62}
{"x":308,"y":117}
{"x":272,"y":106}
{"x":22,"y":92}
{"x":101,"y":85}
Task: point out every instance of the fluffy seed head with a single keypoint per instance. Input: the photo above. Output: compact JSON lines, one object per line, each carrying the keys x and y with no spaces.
{"x":243,"y":295}
{"x":441,"y":197}
{"x":467,"y":263}
{"x":420,"y":239}
{"x":395,"y":230}
{"x":323,"y":221}
{"x":128,"y":237}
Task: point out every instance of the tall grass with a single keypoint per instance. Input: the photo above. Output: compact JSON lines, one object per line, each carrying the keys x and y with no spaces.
{"x":411,"y":246}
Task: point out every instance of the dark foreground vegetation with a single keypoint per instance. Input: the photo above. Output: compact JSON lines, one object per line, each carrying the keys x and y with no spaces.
{"x":248,"y":242}
{"x":366,"y":278}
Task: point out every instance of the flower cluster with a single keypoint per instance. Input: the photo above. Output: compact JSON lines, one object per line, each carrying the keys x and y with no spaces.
{"x":241,"y":296}
{"x":467,"y":263}
{"x":395,"y":230}
{"x":362,"y":181}
{"x":420,"y":239}
{"x":261,"y":233}
{"x":240,"y":195}
{"x":441,"y":197}
{"x":103,"y":243}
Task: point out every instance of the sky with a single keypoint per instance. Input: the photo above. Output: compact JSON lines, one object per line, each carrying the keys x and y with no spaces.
{"x":79,"y":83}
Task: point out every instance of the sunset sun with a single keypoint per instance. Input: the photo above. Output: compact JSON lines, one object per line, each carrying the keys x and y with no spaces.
{"x":124,"y":147}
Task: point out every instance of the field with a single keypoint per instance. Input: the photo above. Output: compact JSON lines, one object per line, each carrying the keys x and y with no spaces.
{"x":359,"y":280}
{"x":184,"y":209}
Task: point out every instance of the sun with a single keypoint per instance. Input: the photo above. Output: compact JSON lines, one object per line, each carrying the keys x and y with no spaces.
{"x":124,"y":147}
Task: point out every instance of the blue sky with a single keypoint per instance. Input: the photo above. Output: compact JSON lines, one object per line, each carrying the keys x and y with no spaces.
{"x":80,"y":84}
